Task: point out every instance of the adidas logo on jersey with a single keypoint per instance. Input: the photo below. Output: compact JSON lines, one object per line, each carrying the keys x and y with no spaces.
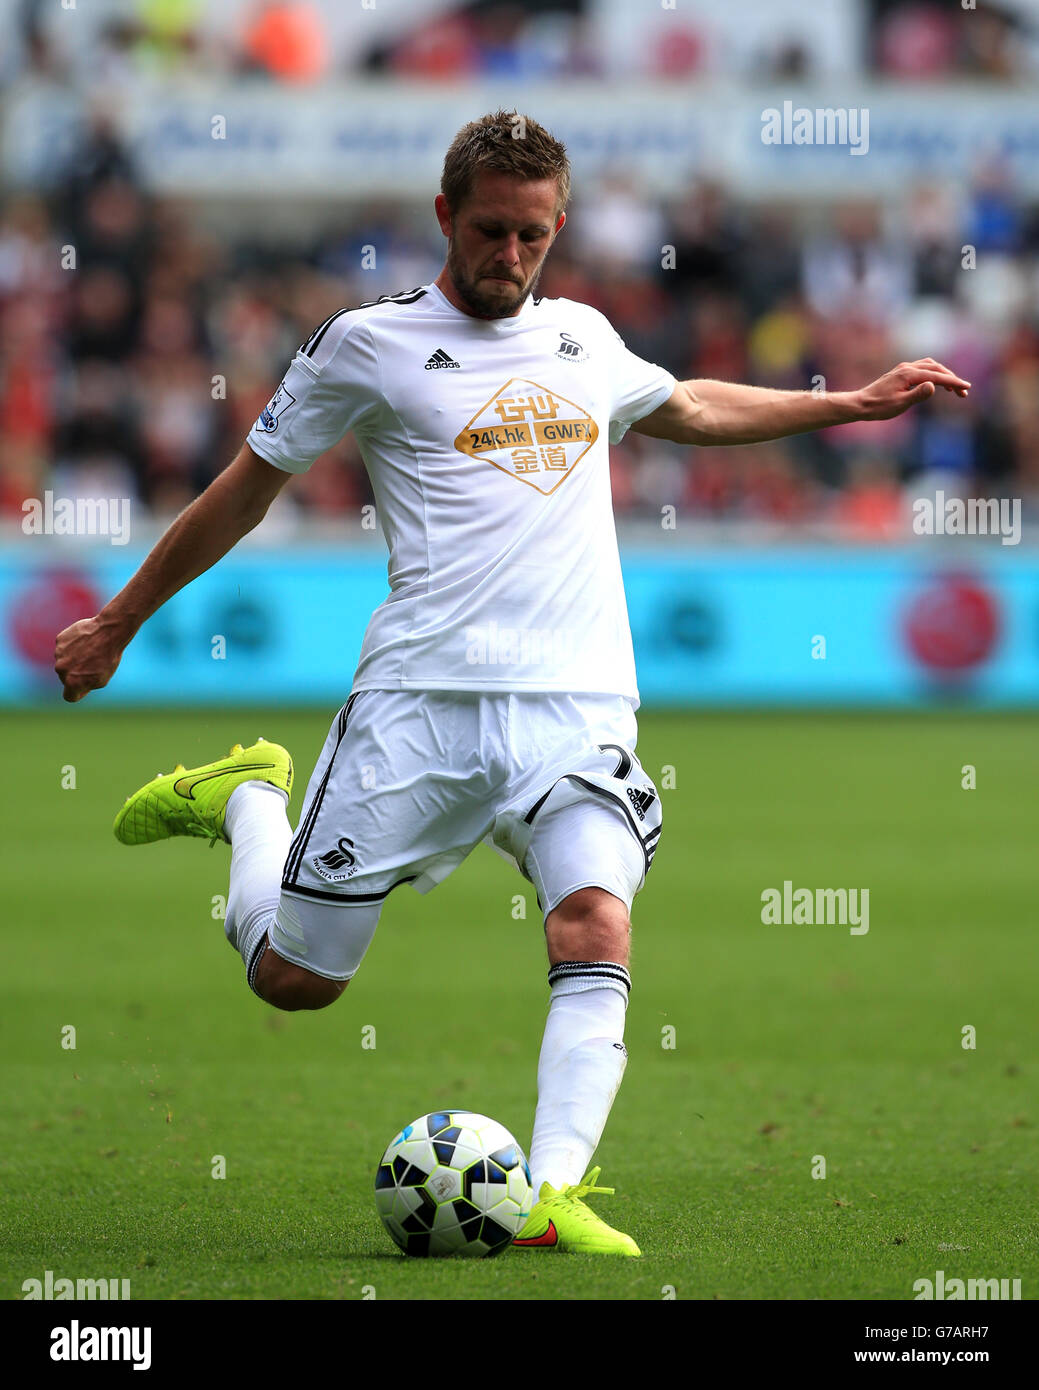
{"x":642,"y":799}
{"x":440,"y":359}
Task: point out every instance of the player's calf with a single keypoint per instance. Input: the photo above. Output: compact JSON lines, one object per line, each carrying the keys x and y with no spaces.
{"x":289,"y":987}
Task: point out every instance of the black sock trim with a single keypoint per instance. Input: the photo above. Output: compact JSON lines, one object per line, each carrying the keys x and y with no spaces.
{"x":589,"y":970}
{"x":254,"y":962}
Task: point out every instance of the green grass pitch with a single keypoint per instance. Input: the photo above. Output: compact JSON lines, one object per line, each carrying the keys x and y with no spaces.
{"x":790,"y":1042}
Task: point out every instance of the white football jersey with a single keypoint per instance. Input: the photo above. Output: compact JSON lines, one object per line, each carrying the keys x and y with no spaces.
{"x":487,"y":445}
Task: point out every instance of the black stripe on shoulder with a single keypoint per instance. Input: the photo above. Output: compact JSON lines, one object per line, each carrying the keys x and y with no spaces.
{"x":404,"y":297}
{"x":310,"y":345}
{"x":314,"y":341}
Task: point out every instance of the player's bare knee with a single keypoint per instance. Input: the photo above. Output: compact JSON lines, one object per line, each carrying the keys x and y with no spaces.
{"x":291,"y":988}
{"x":303,"y":991}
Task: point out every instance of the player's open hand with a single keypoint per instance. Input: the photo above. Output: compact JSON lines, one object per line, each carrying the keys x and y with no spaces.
{"x":906,"y":385}
{"x":85,"y":657}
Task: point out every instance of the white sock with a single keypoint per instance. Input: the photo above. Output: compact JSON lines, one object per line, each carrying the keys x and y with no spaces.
{"x":580,"y":1069}
{"x":259,"y":831}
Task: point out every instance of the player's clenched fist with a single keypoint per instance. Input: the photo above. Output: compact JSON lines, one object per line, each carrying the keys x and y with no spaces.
{"x":86,"y":656}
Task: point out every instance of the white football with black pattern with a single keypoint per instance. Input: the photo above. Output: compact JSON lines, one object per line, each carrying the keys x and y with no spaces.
{"x":453,"y":1183}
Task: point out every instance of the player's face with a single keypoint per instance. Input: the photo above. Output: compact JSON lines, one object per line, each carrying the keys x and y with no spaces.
{"x":498,"y":240}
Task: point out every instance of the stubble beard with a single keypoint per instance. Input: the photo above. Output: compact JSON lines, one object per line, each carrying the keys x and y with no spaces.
{"x":482,"y":305}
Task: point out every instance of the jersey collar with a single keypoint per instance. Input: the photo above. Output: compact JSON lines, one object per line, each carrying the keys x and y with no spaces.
{"x":498,"y":325}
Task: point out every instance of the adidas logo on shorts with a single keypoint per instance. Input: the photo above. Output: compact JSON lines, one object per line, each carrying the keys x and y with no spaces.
{"x":642,"y":799}
{"x":441,"y":359}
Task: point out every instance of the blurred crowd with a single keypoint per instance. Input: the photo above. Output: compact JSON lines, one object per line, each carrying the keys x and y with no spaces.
{"x":304,"y":40}
{"x":137,"y":369}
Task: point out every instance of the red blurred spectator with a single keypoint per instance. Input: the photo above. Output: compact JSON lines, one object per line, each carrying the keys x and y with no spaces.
{"x":680,"y":52}
{"x":286,"y":39}
{"x":27,"y":373}
{"x":439,"y":51}
{"x":918,"y":40}
{"x":872,"y":507}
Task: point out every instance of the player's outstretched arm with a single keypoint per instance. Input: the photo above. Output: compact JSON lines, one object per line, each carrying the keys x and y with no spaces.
{"x":87,"y":653}
{"x":722,"y":412}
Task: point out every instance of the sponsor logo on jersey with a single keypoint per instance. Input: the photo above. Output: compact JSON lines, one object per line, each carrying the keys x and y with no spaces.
{"x":439,"y":360}
{"x":531,"y":433}
{"x":570,"y":350}
{"x":274,"y":409}
{"x":337,"y":863}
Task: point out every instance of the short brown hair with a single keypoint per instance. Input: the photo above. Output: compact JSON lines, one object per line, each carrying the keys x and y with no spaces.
{"x":506,"y":143}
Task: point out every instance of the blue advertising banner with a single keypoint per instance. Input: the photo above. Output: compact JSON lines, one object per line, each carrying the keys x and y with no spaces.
{"x":717,"y":627}
{"x":827,"y":627}
{"x":377,"y":138}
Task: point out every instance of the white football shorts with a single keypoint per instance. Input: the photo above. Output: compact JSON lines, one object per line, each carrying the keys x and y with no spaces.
{"x":410,"y":782}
